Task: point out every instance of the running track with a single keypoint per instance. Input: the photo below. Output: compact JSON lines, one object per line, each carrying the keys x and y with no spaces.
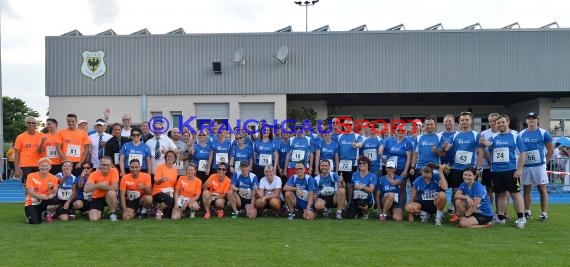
{"x":13,"y":192}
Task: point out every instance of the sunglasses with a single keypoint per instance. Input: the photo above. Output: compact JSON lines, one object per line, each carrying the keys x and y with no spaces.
{"x":238,"y":138}
{"x":362,"y":163}
{"x":223,"y":170}
{"x":133,"y":135}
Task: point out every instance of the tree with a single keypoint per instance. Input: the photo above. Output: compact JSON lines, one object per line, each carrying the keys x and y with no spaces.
{"x":302,"y":114}
{"x":15,"y":113}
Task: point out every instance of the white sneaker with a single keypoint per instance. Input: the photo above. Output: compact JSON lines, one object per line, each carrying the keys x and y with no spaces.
{"x":113,"y":217}
{"x":520,"y":222}
{"x":437,"y":221}
{"x":192,"y":214}
{"x":497,"y":221}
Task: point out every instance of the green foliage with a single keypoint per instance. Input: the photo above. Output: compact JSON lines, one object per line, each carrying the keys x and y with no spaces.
{"x":269,"y":241}
{"x":15,"y":113}
{"x":302,"y":114}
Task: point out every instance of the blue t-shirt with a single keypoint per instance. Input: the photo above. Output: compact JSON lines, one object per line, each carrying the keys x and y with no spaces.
{"x":201,"y":153}
{"x":140,"y":152}
{"x":300,"y":148}
{"x":327,"y":185}
{"x":396,"y":151}
{"x":66,"y":187}
{"x":264,"y":153}
{"x":504,"y":151}
{"x":328,"y":152}
{"x":465,"y":146}
{"x":535,"y":142}
{"x":425,"y":142}
{"x":427,"y":191}
{"x":385,"y":186}
{"x":79,"y":192}
{"x":282,"y":148}
{"x":241,"y":155}
{"x":477,"y":190}
{"x":370,"y":148}
{"x":221,"y":152}
{"x":248,"y":183}
{"x":346,"y":151}
{"x":449,"y":155}
{"x":367,"y":180}
{"x":305,"y":184}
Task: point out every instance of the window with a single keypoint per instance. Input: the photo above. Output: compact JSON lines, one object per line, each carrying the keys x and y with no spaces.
{"x":560,"y":121}
{"x":176,"y":115}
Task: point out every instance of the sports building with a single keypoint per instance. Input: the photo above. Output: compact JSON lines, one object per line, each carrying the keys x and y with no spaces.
{"x":391,"y":74}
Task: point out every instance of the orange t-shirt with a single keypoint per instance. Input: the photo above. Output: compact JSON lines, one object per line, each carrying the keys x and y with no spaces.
{"x":97,"y":177}
{"x":39,"y":185}
{"x":10,"y":154}
{"x":216,"y":186}
{"x":128,"y":182}
{"x":73,"y":143}
{"x":189,"y":188}
{"x":50,"y":148}
{"x":28,"y":144}
{"x":163,"y":171}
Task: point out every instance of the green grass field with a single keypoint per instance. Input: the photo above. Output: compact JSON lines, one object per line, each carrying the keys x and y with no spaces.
{"x":270,"y":241}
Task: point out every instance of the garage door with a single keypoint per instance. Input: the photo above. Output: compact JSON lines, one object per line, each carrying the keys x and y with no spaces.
{"x":257,"y":111}
{"x":206,"y":112}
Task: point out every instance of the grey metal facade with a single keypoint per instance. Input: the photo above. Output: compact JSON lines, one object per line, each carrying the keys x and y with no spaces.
{"x":525,"y":60}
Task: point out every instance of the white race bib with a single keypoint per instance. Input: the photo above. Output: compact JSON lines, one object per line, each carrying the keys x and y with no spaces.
{"x":345,"y":165}
{"x":236,"y":166}
{"x":181,"y":200}
{"x":501,"y":154}
{"x":51,"y":152}
{"x":303,"y":194}
{"x":36,"y":201}
{"x":396,"y":197}
{"x":168,"y":190}
{"x":245,"y":193}
{"x":116,"y":158}
{"x":463,"y":157}
{"x":395,"y":160}
{"x":265,"y":160}
{"x":132,"y":195}
{"x":327,"y":191}
{"x":179,"y":165}
{"x":359,"y":194}
{"x":135,"y":156}
{"x":221,"y":157}
{"x":533,"y":157}
{"x":63,"y":194}
{"x":298,"y":155}
{"x":72,"y":151}
{"x":87,"y":196}
{"x":372,"y":154}
{"x":202,"y":164}
{"x":331,"y":165}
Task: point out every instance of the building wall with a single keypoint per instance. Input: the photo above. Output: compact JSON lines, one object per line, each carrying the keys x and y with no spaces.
{"x":91,"y":108}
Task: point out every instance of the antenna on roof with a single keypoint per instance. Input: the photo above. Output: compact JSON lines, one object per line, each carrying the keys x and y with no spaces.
{"x":177,"y":31}
{"x":286,"y":29}
{"x":434,"y":27}
{"x":512,"y":25}
{"x":397,"y":28}
{"x":322,"y":29}
{"x":550,"y":25}
{"x":473,"y":26}
{"x":360,"y":28}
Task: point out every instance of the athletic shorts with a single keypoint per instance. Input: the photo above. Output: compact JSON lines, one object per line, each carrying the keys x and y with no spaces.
{"x":244,"y":201}
{"x":60,"y":210}
{"x":504,"y":181}
{"x":300,"y":204}
{"x":455,"y":178}
{"x":534,"y":175}
{"x":486,"y":179}
{"x":163,"y":198}
{"x":354,"y":207}
{"x":482,"y":219}
{"x":98,"y":204}
{"x":133,"y":204}
{"x":397,"y":204}
{"x":85,"y":206}
{"x":428,"y":206}
{"x":347,"y":176}
{"x":329,"y":201}
{"x":34,"y":213}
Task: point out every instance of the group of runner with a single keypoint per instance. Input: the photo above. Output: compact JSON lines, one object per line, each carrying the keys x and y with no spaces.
{"x":171,"y":176}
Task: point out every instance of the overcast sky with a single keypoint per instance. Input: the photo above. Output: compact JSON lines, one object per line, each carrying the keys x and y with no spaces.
{"x":25,"y":23}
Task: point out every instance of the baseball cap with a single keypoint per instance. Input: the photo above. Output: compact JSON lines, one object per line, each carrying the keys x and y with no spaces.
{"x":532,"y":115}
{"x":243,"y":164}
{"x":82,"y":121}
{"x":391,"y":164}
{"x":99,"y":122}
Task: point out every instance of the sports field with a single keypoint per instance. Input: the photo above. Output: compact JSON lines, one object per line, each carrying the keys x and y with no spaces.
{"x":269,"y":241}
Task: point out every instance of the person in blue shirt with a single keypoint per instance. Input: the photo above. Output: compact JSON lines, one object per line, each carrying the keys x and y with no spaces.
{"x":202,"y":154}
{"x":539,"y":151}
{"x":506,"y":169}
{"x":83,"y":200}
{"x":363,"y":182}
{"x":373,"y":148}
{"x":221,"y":151}
{"x":134,"y":150}
{"x":447,"y":133}
{"x":427,"y":148}
{"x":240,"y":153}
{"x":66,"y":192}
{"x":264,"y":152}
{"x":348,"y":142}
{"x":300,"y":150}
{"x":242,"y":192}
{"x":472,"y":202}
{"x":331,"y":192}
{"x":398,"y":149}
{"x":428,"y":195}
{"x":387,"y":194}
{"x":327,"y":149}
{"x":282,"y":146}
{"x":300,"y":190}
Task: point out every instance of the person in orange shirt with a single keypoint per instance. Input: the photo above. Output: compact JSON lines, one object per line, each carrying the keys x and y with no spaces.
{"x":27,"y":150}
{"x":215,"y":189}
{"x":41,"y":191}
{"x":164,"y":181}
{"x":10,"y":156}
{"x":103,"y":183}
{"x":187,"y":193}
{"x":73,"y":144}
{"x":135,"y":192}
{"x":48,"y":146}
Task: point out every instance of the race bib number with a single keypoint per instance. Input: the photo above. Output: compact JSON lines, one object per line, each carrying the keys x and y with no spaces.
{"x":63,"y":194}
{"x":331,"y":165}
{"x":181,"y":201}
{"x":51,"y":152}
{"x":116,"y":158}
{"x":394,"y":159}
{"x":371,"y":154}
{"x":236,"y":166}
{"x":72,"y":151}
{"x":36,"y":201}
{"x":135,"y":156}
{"x":298,"y":155}
{"x":345,"y":165}
{"x":463,"y":157}
{"x":87,"y":196}
{"x":359,"y":194}
{"x":244,"y":193}
{"x":168,"y":190}
{"x":202,"y":164}
{"x":303,"y":194}
{"x":396,"y":197}
{"x":501,"y":154}
{"x":533,"y":157}
{"x":179,"y":165}
{"x":133,"y":195}
{"x":265,"y":160}
{"x":221,"y":157}
{"x":327,"y":191}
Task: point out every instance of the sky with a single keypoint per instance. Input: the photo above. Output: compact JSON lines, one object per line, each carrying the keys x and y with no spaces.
{"x":26,"y":23}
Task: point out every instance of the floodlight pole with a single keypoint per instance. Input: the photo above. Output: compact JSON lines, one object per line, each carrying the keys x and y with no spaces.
{"x":306,"y":4}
